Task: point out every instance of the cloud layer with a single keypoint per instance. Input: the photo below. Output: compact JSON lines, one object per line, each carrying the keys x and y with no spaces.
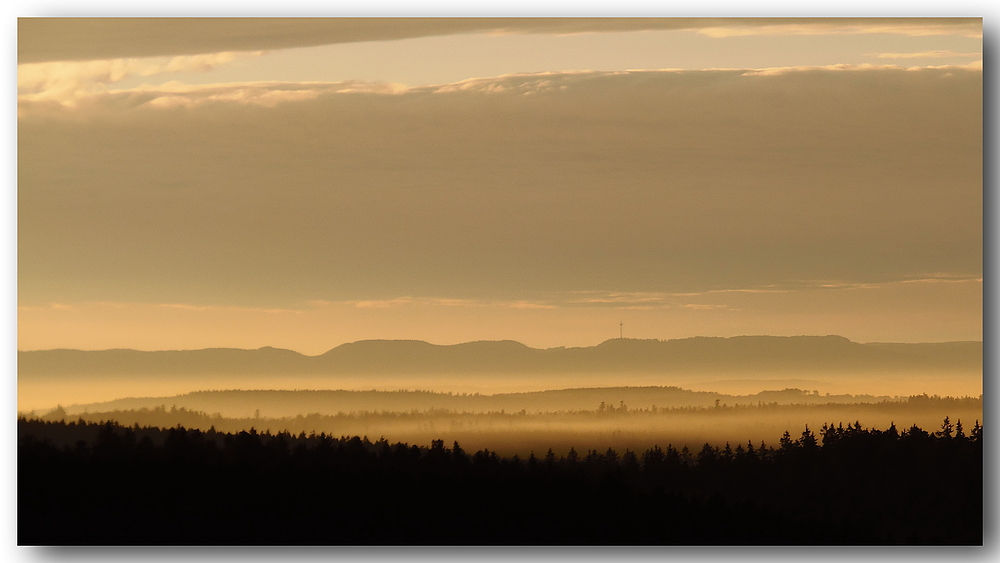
{"x":75,"y":39}
{"x":65,"y":82}
{"x":500,"y":189}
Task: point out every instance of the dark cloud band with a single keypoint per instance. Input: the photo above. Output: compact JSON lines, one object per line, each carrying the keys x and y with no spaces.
{"x":54,"y":39}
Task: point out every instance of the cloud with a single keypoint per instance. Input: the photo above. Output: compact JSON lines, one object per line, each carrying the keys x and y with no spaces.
{"x":206,"y":308}
{"x":567,"y":300}
{"x":66,"y":82}
{"x":938,"y":54}
{"x":916,"y":27}
{"x":674,"y":299}
{"x":382,"y":304}
{"x":522,"y":304}
{"x":625,"y":300}
{"x":774,"y":71}
{"x":72,"y":88}
{"x":944,"y":278}
{"x":47,"y":307}
{"x":172,"y":94}
{"x":619,"y":298}
{"x":62,"y":39}
{"x":635,"y":182}
{"x":268,"y":95}
{"x":769,"y":289}
{"x":848,"y":285}
{"x":97,"y":305}
{"x":511,"y":83}
{"x":440,"y":302}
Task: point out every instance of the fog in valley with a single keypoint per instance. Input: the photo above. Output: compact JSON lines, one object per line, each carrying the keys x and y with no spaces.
{"x":510,"y":397}
{"x":475,"y":421}
{"x":739,"y":366}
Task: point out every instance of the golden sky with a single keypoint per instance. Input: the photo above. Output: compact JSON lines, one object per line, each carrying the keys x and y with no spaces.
{"x":304,"y":183}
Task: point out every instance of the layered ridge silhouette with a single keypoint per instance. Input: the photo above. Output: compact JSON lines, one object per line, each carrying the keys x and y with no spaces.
{"x":688,"y":355}
{"x":294,"y":402}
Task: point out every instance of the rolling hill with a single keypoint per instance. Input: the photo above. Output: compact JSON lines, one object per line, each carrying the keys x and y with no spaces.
{"x":796,"y":354}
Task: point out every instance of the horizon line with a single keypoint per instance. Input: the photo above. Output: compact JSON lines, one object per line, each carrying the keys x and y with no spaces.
{"x":484,"y":341}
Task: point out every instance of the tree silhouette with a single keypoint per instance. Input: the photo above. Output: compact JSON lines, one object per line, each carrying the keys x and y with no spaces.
{"x":946,"y":429}
{"x":111,"y":484}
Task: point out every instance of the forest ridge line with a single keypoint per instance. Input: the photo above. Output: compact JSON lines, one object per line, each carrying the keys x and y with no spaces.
{"x":739,"y":353}
{"x":832,"y":485}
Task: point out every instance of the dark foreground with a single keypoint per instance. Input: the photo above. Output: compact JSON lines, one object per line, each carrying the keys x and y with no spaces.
{"x":86,"y":484}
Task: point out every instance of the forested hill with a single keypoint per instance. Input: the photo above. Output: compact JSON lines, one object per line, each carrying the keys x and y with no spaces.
{"x":688,"y":355}
{"x":292,"y":403}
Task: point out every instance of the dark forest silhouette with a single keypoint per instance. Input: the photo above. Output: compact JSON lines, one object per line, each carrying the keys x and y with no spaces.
{"x":112,"y":484}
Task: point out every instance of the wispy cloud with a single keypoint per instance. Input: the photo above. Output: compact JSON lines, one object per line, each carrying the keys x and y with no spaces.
{"x":844,"y":67}
{"x":519,"y":83}
{"x":939,"y":54}
{"x":765,"y":289}
{"x":637,"y":300}
{"x":381,"y":303}
{"x":914,"y":28}
{"x":945,"y":279}
{"x":203,"y":308}
{"x":437,"y":302}
{"x":925,"y":279}
{"x":623,"y":298}
{"x":178,"y":94}
{"x":65,"y":81}
{"x":679,"y":299}
{"x":644,"y":300}
{"x":70,"y":84}
{"x":47,"y":307}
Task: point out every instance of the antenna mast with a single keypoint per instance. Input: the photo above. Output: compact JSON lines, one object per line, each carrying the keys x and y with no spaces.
{"x":621,"y":332}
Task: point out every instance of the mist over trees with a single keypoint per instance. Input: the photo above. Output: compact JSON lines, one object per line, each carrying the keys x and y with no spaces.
{"x":499,"y":369}
{"x":275,"y":403}
{"x":606,"y":423}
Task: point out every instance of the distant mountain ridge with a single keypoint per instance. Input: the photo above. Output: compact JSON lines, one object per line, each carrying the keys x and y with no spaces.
{"x":620,"y":355}
{"x":282,"y":403}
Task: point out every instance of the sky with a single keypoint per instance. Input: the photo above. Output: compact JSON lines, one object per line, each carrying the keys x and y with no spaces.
{"x":304,"y":183}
